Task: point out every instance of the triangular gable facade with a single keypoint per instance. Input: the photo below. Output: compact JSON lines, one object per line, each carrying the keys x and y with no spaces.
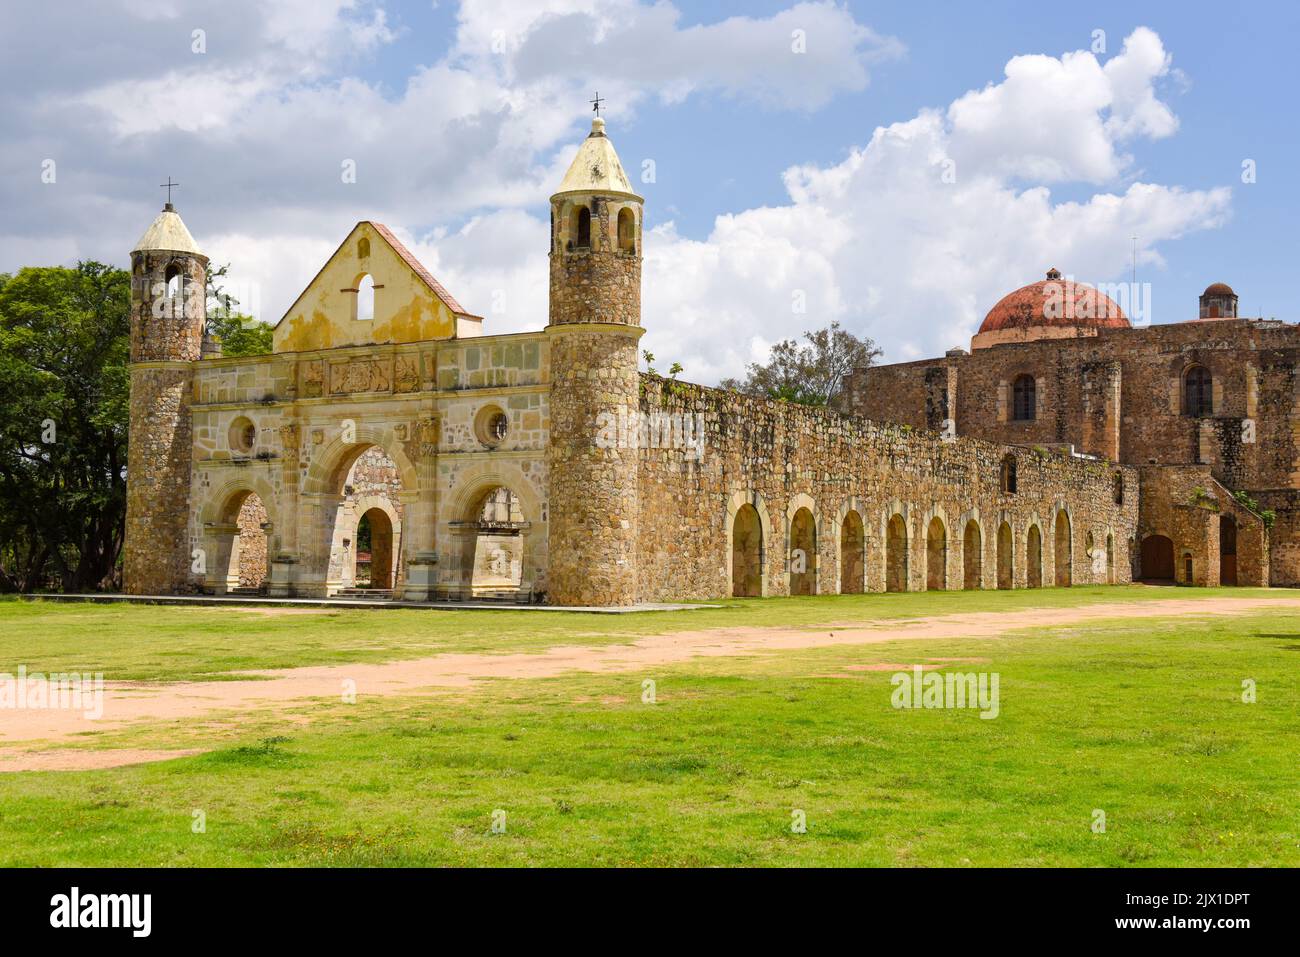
{"x":410,"y":305}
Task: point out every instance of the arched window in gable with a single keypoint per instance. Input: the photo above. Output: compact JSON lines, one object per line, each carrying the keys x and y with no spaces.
{"x":366,"y":298}
{"x":363,"y":248}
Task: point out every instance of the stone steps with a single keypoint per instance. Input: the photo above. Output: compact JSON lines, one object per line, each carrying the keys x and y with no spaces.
{"x":379,"y":594}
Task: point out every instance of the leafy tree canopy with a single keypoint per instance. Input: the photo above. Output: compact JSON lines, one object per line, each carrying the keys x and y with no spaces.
{"x":64,"y":387}
{"x":810,"y":372}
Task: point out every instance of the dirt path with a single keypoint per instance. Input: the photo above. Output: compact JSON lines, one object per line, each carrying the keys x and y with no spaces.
{"x":127,"y":703}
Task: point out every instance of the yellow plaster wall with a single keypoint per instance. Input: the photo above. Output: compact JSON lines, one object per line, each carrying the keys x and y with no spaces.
{"x":406,"y":309}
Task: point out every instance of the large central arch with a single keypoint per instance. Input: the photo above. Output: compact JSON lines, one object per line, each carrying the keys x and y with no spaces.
{"x":328,"y":514}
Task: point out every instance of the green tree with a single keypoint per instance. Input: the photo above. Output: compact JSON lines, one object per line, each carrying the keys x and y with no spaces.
{"x":240,"y":335}
{"x":64,"y":400}
{"x":810,"y":373}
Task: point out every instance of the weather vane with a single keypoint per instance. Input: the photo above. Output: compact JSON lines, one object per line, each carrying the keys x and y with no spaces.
{"x":595,"y":105}
{"x":168,"y":185}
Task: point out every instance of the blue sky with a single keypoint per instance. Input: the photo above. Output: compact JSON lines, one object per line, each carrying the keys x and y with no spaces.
{"x":458,"y":143}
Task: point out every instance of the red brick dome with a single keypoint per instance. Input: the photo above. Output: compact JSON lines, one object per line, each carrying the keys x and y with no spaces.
{"x":1055,"y":305}
{"x":1218,"y":289}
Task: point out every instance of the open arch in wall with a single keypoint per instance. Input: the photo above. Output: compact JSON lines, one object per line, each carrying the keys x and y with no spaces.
{"x":747,"y":553}
{"x":972,"y":558}
{"x":936,"y":555}
{"x":357,"y":462}
{"x":802,"y":557}
{"x":896,"y":554}
{"x":748,"y":529}
{"x":626,"y":230}
{"x":853,"y":552}
{"x":1034,"y":557}
{"x":236,"y":544}
{"x":492,"y":541}
{"x":1110,"y":558}
{"x":374,"y":553}
{"x":1062,"y":551}
{"x":1006,"y":562}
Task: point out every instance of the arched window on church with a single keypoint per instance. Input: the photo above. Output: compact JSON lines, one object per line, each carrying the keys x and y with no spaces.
{"x":363,"y":248}
{"x":366,"y":298}
{"x":582,"y":227}
{"x":1198,"y":392}
{"x":1024,"y":399}
{"x":626,"y":230}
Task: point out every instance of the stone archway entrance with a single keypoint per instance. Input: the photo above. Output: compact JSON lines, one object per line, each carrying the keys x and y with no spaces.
{"x":492,"y":558}
{"x":1157,"y":559}
{"x":365,"y":522}
{"x":852,"y":554}
{"x":237,"y":554}
{"x":1034,"y":558}
{"x":747,"y":553}
{"x":374,"y":551}
{"x":803,"y":553}
{"x":1006,"y":567}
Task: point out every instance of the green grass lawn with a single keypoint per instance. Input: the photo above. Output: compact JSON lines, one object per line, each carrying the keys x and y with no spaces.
{"x":175,"y":643}
{"x":1142,"y":719}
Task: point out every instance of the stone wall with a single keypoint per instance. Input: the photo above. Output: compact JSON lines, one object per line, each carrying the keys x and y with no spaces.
{"x":781,"y":458}
{"x":1119,"y":395}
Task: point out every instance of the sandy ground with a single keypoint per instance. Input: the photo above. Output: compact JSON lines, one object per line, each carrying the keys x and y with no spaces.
{"x":130,"y":703}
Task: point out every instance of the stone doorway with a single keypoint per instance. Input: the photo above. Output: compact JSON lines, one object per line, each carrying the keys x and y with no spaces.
{"x":1157,"y":559}
{"x":1227,"y":550}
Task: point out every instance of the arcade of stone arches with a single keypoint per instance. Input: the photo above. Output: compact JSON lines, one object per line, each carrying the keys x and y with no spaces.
{"x":901,"y":559}
{"x":489,"y":550}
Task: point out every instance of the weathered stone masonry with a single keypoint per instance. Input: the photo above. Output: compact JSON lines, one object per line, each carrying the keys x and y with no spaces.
{"x":784,"y":456}
{"x":488,"y":467}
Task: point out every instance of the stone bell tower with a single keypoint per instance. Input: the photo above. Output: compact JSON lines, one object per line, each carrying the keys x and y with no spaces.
{"x":168,"y":313}
{"x":595,"y":324}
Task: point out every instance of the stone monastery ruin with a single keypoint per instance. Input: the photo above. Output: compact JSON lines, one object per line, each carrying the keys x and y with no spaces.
{"x":388,"y":447}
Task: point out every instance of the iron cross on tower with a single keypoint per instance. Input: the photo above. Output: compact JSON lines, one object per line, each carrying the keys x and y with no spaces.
{"x":595,"y":105}
{"x":168,"y":185}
